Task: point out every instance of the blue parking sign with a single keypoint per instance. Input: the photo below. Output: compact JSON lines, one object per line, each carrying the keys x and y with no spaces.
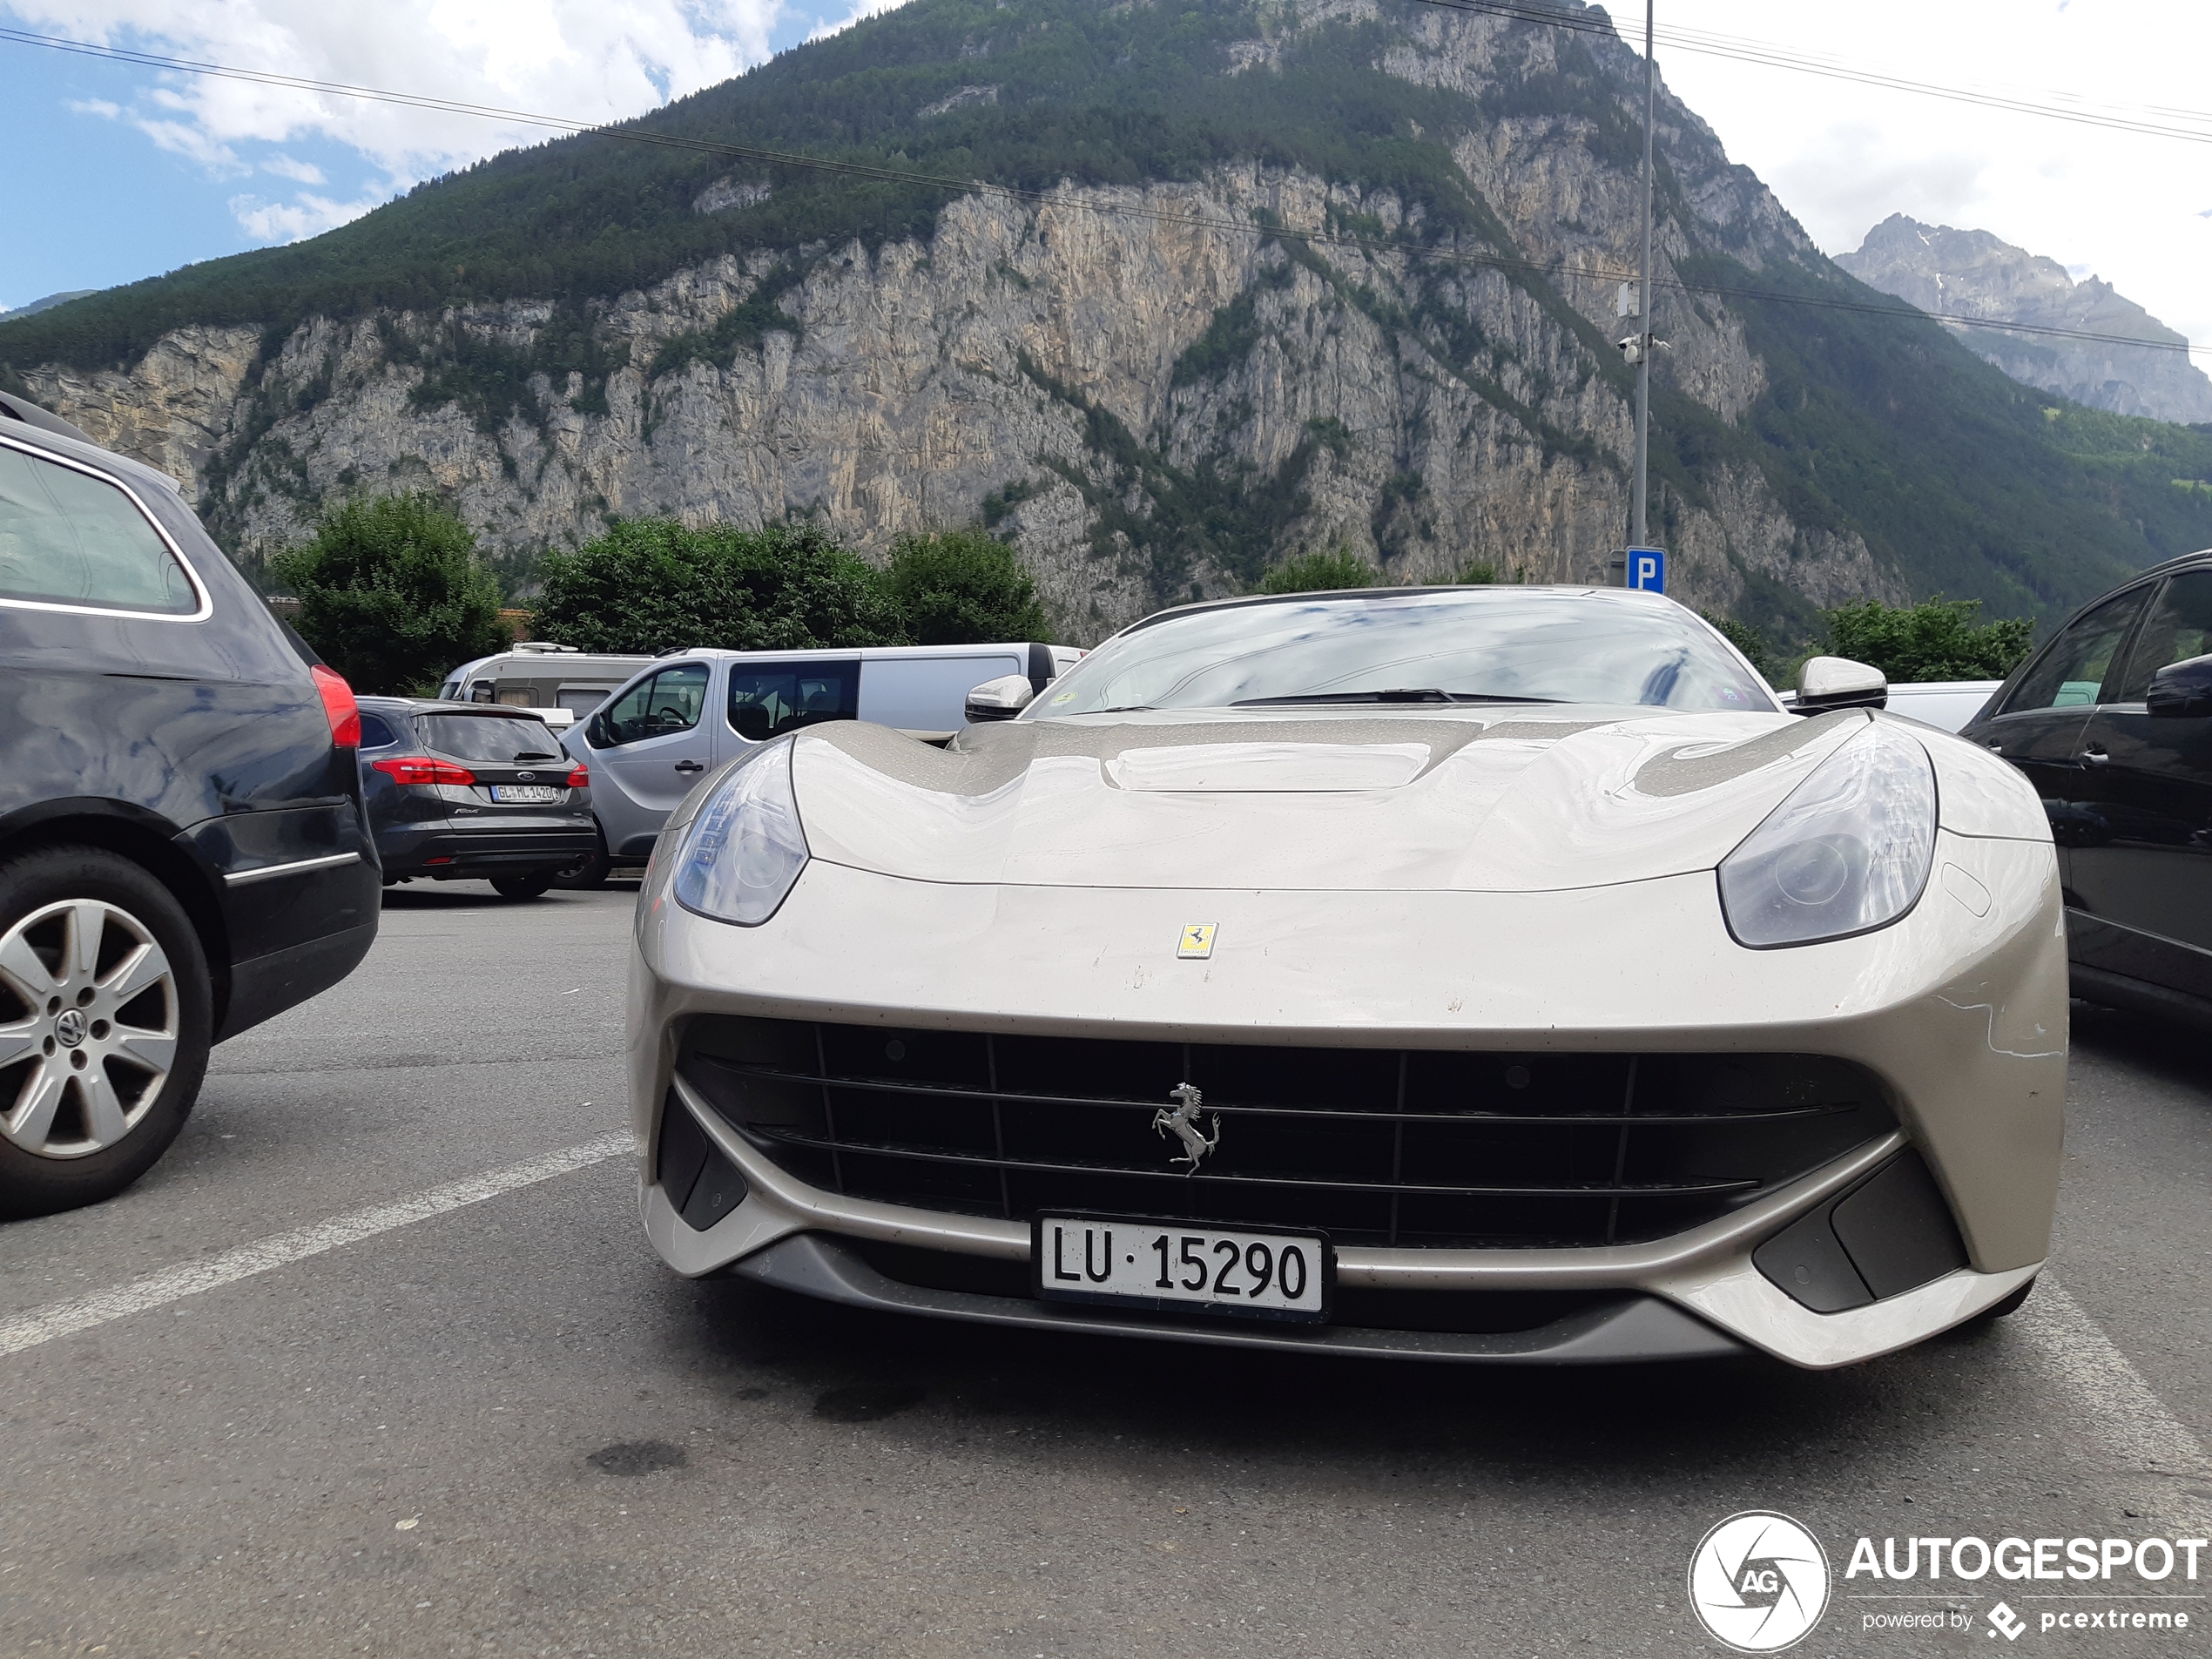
{"x":1647,"y":569}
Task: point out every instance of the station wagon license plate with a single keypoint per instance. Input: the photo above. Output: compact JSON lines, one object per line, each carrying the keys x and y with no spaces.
{"x":1129,"y":1262}
{"x":517,"y":793}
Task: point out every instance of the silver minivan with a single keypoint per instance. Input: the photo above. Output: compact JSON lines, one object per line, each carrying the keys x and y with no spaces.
{"x":691,"y":711}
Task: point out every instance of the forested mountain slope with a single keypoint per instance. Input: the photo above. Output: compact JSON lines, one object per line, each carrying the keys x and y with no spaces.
{"x":1284,"y":276}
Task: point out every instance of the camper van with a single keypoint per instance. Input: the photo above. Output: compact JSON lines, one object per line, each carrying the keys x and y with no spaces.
{"x":536,"y":675}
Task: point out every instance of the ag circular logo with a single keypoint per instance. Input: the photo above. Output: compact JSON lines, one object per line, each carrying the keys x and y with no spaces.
{"x":1758,"y":1582}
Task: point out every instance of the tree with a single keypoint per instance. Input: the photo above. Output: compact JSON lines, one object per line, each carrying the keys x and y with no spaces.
{"x":391,"y":593}
{"x":655,"y":584}
{"x":1938,"y":640}
{"x":962,"y":587}
{"x":1330,"y":572}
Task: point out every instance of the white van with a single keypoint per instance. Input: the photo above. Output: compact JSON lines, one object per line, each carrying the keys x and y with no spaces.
{"x":691,"y":711}
{"x":536,"y":675}
{"x":1951,"y":705}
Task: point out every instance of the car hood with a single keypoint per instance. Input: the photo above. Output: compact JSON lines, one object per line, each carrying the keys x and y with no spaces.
{"x":1515,"y":799}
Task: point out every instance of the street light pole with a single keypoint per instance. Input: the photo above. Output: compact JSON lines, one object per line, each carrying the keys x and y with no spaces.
{"x":1639,"y":534}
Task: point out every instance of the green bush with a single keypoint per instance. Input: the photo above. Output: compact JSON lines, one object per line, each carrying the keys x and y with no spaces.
{"x":1938,"y":640}
{"x":391,"y":594}
{"x":1322,"y":573}
{"x":962,"y":587}
{"x":654,"y":584}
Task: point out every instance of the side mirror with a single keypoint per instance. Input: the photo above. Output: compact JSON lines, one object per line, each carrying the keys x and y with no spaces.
{"x":1002,"y":698}
{"x":2181,"y":690}
{"x":1827,"y":682}
{"x":595,"y":732}
{"x":753,"y":723}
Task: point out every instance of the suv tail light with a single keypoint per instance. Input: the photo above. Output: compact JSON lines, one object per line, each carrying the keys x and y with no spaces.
{"x":338,"y":705}
{"x":580,"y":779}
{"x":423,"y":768}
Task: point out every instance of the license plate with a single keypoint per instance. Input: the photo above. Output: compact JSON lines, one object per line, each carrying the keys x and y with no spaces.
{"x":524,"y":791}
{"x":1138,"y":1263}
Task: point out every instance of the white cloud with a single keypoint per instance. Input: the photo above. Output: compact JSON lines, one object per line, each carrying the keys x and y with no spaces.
{"x":98,"y":106}
{"x":861,"y":12}
{"x":304,"y":216}
{"x":589,"y":60}
{"x":1843,"y":156}
{"x":284,"y":167}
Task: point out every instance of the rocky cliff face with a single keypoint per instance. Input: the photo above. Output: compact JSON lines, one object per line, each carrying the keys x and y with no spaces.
{"x":1971,"y":273}
{"x":1154,"y":391}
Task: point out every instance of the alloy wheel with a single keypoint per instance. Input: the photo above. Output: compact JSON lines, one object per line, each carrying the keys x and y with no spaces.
{"x":89,"y":1021}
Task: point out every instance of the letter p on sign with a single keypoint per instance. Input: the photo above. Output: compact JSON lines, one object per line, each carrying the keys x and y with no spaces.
{"x":1647,"y":569}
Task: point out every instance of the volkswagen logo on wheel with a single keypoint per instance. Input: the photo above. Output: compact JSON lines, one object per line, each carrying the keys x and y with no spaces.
{"x":1758,"y":1582}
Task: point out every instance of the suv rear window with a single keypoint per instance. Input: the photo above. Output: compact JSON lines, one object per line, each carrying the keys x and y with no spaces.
{"x":67,"y":537}
{"x":492,"y":738}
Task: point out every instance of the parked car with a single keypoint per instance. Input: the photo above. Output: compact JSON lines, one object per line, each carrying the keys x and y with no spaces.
{"x":460,"y":791}
{"x":538,"y":674}
{"x":693,"y":711}
{"x":2112,"y":723}
{"x":182,"y":853}
{"x":1484,"y":973}
{"x":1949,"y":705}
{"x":1946,"y":704}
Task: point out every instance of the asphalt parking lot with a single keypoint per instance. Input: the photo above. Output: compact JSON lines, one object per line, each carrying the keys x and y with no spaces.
{"x":377,"y":1361}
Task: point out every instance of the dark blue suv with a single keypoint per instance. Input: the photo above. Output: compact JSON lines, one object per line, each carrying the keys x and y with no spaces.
{"x":182,"y":851}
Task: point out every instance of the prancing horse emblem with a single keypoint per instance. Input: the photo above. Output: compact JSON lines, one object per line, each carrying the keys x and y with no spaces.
{"x":1183,"y":1124}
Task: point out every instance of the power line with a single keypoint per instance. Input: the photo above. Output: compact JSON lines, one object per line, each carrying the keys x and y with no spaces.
{"x":1773,"y":56}
{"x":1055,"y":196}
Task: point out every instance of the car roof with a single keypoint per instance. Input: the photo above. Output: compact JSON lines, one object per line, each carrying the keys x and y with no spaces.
{"x":438,"y":705}
{"x":2180,"y":562}
{"x":26,"y":423}
{"x":874,"y":652}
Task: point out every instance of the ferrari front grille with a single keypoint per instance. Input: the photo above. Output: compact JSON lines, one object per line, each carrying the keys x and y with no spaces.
{"x":1415,"y":1147}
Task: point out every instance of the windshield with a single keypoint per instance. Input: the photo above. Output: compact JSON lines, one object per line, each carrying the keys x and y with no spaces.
{"x":496,"y":738}
{"x":1477,"y":645}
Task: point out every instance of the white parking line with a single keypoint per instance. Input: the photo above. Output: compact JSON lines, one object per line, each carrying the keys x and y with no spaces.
{"x":190,"y":1278}
{"x":2128,"y":1420}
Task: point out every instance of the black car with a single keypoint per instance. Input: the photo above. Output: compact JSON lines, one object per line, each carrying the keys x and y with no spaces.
{"x":471,"y":790}
{"x":2112,"y":722}
{"x":182,"y":851}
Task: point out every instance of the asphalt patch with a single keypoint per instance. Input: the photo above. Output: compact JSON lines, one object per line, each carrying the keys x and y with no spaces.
{"x":866,"y":1402}
{"x":637,"y":1457}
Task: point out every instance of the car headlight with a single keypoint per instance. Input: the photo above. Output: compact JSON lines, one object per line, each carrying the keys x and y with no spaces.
{"x":745,"y":847}
{"x":1847,"y":852}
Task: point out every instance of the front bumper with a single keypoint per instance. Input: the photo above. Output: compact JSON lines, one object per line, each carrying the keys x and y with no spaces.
{"x":1962,"y":1015}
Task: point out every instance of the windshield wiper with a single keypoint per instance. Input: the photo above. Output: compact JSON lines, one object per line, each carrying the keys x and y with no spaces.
{"x":537,"y":754}
{"x":1416,"y":694}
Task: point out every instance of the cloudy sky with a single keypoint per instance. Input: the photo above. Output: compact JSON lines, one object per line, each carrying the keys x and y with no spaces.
{"x":118,"y":173}
{"x":2133,"y":209}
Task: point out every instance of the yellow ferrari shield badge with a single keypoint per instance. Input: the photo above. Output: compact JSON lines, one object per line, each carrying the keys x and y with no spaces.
{"x":1198,"y":941}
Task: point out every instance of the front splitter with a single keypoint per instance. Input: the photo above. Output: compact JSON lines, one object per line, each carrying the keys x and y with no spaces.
{"x":1635,"y":1327}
